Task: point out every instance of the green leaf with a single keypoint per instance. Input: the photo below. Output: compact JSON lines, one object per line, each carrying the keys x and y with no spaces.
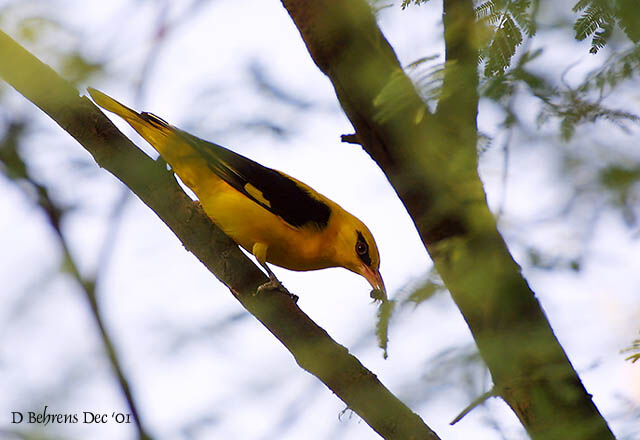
{"x":600,"y":17}
{"x":503,"y":47}
{"x":588,"y":23}
{"x":406,"y":3}
{"x":385,"y":310}
{"x":617,"y":177}
{"x":485,"y":9}
{"x":581,"y":5}
{"x":635,"y":347}
{"x":11,"y":162}
{"x":424,"y":293}
{"x":395,"y":97}
{"x":568,"y":126}
{"x":600,"y":38}
{"x":497,"y":87}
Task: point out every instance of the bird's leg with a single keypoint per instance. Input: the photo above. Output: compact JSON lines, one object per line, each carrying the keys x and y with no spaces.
{"x":259,"y":251}
{"x":275,"y":284}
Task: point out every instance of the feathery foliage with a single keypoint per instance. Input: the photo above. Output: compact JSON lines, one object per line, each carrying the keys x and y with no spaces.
{"x":618,"y":68}
{"x":635,"y":350}
{"x":406,"y":3}
{"x":385,"y":311}
{"x":599,"y":17}
{"x":427,"y":77}
{"x":571,"y":106}
{"x":509,"y":22}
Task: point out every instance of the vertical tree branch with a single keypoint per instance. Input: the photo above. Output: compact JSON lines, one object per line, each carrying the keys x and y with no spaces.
{"x":458,"y":106}
{"x":431,"y":161}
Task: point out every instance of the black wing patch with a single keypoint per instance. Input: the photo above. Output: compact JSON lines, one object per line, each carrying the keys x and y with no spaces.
{"x":268,"y":188}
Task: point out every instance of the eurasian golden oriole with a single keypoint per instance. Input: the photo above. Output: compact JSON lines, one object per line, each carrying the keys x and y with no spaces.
{"x":275,"y":217}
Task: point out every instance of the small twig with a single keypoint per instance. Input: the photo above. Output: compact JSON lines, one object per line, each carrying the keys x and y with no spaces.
{"x":109,"y":241}
{"x":477,"y":401}
{"x":506,"y":150}
{"x":161,"y":31}
{"x":163,"y":28}
{"x":55,"y":214}
{"x":89,"y":287}
{"x":350,"y":139}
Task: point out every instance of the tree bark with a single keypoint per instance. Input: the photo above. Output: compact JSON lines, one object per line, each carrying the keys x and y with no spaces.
{"x":313,"y":349}
{"x":430,"y":159}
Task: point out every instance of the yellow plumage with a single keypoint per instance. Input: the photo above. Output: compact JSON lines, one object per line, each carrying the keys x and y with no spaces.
{"x":277,"y":218}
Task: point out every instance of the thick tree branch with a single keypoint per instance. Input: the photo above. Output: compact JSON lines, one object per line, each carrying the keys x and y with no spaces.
{"x":458,"y":105}
{"x":431,"y":161}
{"x":311,"y":346}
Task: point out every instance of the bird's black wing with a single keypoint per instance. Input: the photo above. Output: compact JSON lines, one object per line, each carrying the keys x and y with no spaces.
{"x":265,"y":186}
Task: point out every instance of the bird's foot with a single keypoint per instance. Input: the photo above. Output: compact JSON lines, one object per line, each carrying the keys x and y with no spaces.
{"x":274,"y":284}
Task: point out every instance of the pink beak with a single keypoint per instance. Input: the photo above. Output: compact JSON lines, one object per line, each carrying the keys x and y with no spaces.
{"x":374,"y":278}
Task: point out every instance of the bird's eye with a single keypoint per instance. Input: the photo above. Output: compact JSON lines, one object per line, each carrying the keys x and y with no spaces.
{"x":361,"y":248}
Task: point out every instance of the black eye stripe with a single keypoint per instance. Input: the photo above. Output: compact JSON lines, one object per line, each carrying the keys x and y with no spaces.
{"x":362,"y":249}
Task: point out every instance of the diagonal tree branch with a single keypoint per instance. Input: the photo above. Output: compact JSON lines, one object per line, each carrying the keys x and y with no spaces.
{"x":312,"y":348}
{"x":431,"y":161}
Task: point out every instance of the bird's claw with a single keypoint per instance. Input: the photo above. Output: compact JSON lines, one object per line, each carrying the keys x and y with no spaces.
{"x":274,"y":284}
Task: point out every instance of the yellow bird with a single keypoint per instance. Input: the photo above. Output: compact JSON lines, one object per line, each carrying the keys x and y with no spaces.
{"x":275,"y":217}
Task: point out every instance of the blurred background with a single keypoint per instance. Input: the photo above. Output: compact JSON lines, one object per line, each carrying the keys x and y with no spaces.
{"x":565,"y":188}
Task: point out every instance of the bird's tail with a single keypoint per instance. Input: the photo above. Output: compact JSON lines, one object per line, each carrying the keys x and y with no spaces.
{"x":154,"y":129}
{"x":108,"y":103}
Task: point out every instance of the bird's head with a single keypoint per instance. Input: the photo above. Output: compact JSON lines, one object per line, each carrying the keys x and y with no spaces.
{"x":357,"y":251}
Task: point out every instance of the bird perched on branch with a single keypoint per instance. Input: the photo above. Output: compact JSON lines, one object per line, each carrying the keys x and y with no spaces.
{"x":275,"y":217}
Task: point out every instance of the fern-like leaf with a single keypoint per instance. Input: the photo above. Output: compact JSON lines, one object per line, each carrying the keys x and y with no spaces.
{"x":588,"y":23}
{"x":599,"y":17}
{"x":619,"y":68}
{"x":485,"y":9}
{"x":518,"y":8}
{"x":635,"y":350}
{"x":385,"y":311}
{"x":600,"y":38}
{"x":503,"y":46}
{"x":406,"y":3}
{"x":582,"y":4}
